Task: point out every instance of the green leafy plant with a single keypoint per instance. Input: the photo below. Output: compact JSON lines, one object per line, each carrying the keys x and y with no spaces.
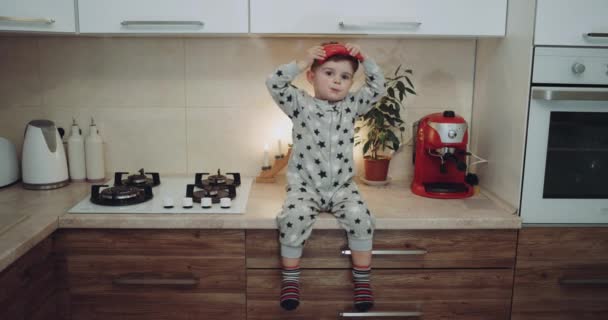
{"x":384,"y":120}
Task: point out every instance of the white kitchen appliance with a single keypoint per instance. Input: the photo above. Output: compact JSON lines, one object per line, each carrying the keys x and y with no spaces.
{"x":566,"y":159}
{"x":9,"y":164}
{"x":43,"y":159}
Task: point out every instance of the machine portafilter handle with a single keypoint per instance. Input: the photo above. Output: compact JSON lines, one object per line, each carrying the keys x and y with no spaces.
{"x":460,"y":165}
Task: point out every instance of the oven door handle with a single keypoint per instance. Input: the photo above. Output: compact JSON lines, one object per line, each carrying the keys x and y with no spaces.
{"x":557,"y":94}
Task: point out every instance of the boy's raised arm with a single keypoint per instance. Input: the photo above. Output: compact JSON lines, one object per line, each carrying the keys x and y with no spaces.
{"x":372,"y":90}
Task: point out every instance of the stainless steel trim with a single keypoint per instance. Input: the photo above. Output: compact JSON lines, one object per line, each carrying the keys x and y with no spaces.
{"x":569,"y":282}
{"x":387,"y":24}
{"x":46,"y":186}
{"x":390,"y":252}
{"x":27,"y":20}
{"x":161,"y":23}
{"x":557,"y":95}
{"x":380,"y":314}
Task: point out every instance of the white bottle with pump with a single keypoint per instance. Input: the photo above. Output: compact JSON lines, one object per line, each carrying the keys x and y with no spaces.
{"x":76,"y":161}
{"x":93,"y":146}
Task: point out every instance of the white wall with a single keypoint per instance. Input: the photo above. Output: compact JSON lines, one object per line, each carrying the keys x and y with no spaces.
{"x":500,"y":107}
{"x":178,"y":105}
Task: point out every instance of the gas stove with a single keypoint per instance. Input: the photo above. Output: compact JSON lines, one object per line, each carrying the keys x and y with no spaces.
{"x":146,"y":193}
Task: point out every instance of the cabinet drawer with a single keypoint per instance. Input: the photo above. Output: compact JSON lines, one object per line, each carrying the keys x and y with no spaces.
{"x":146,"y":242}
{"x":567,"y":22}
{"x":560,"y":290}
{"x":177,"y":16}
{"x":567,"y":244}
{"x":436,"y":294}
{"x":398,"y":17}
{"x":414,"y":249}
{"x":38,"y":16}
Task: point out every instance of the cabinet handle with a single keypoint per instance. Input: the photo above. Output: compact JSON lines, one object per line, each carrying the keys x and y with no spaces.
{"x":390,"y":252}
{"x":142,"y":280}
{"x":27,"y":20}
{"x":575,"y":282}
{"x":595,"y":35}
{"x":161,"y":23}
{"x":380,"y":314}
{"x":343,"y":24}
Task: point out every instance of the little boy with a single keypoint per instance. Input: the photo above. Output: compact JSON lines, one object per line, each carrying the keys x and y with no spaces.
{"x":320,"y":171}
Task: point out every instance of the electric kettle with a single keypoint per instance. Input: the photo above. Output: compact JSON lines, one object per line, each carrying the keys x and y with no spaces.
{"x":9,"y":164}
{"x":43,"y":161}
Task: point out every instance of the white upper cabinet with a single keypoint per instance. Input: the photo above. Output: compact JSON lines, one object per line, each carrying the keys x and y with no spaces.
{"x":572,"y":23}
{"x":380,"y":17}
{"x":163,"y":16}
{"x":37,"y":15}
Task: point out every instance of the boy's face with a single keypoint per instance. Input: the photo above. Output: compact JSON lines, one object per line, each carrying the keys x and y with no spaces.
{"x":331,"y":80}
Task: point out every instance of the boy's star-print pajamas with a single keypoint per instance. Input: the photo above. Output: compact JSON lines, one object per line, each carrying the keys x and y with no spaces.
{"x":320,"y":171}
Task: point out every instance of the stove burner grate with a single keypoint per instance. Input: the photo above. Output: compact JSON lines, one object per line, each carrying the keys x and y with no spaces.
{"x":120,"y":195}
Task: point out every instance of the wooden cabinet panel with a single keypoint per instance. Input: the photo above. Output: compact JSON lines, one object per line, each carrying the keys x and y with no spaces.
{"x":437,"y":294}
{"x":155,"y":274}
{"x":561,"y":273}
{"x":431,"y":248}
{"x":29,"y":286}
{"x":570,"y":244}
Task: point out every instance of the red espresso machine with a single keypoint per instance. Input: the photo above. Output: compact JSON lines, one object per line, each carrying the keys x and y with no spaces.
{"x":440,"y":151}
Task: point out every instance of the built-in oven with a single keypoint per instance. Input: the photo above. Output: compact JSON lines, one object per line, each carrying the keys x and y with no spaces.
{"x":566,"y":159}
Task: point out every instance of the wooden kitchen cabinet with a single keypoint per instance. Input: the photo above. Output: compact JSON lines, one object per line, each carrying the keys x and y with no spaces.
{"x":382,"y":17}
{"x":161,"y":17}
{"x":38,"y":16}
{"x":154,"y":274}
{"x":442,"y":274}
{"x":31,"y":288}
{"x":561,"y":274}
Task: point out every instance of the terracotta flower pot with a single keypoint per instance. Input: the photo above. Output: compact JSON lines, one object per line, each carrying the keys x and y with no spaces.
{"x":376,"y":170}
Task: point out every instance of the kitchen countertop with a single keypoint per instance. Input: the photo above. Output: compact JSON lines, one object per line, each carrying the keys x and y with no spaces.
{"x":394,"y":207}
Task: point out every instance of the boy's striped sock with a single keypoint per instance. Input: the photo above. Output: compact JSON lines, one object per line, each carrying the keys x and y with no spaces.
{"x":290,"y":288}
{"x":364,"y":300}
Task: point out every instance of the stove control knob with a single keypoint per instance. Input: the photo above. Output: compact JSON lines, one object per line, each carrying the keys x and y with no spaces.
{"x":206,"y":203}
{"x":578,"y":68}
{"x":167,"y":203}
{"x":187,"y":203}
{"x":225,"y":203}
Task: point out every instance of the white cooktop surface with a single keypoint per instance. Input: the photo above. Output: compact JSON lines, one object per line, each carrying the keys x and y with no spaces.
{"x":174,"y":188}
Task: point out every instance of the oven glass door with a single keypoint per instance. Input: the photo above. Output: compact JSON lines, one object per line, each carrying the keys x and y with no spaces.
{"x":566,"y":163}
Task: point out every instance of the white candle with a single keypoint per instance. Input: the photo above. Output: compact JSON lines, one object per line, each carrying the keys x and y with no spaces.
{"x":266,"y":159}
{"x":280,"y":151}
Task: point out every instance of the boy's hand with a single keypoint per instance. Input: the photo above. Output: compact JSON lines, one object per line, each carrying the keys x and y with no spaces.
{"x":354,"y":49}
{"x":316,"y":52}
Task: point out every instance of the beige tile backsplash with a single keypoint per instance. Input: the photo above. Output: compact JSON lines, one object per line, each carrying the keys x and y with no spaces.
{"x":183,"y":105}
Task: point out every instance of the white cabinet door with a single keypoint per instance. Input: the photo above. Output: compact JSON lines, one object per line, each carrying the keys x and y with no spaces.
{"x":572,"y":23}
{"x":163,"y":16}
{"x":37,"y":15}
{"x":381,"y":17}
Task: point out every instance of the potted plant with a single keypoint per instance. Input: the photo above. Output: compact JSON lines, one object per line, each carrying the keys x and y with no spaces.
{"x":384,"y":125}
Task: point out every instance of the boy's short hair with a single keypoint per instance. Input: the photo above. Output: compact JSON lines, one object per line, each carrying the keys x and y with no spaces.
{"x":338,"y":57}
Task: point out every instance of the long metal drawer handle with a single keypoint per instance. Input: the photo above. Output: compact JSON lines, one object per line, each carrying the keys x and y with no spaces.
{"x":161,"y":23}
{"x":595,"y":35}
{"x":380,"y":314}
{"x":570,"y":282}
{"x":391,"y":24}
{"x":156,"y":281}
{"x":556,"y":95}
{"x":27,"y":20}
{"x":390,"y":252}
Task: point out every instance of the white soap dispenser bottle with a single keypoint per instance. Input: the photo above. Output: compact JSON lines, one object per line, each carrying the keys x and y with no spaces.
{"x":76,"y":160}
{"x":94,"y":155}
